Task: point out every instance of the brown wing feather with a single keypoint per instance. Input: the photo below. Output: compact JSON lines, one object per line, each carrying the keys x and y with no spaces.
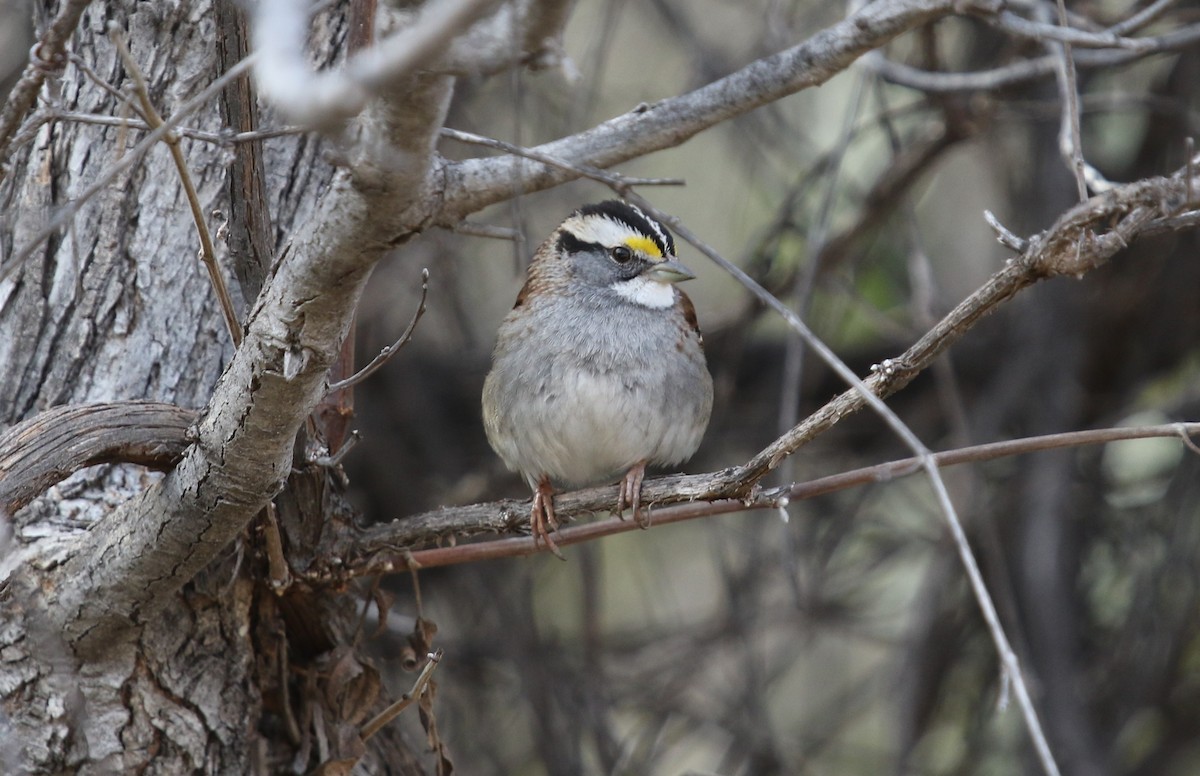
{"x":689,"y":315}
{"x":524,"y":292}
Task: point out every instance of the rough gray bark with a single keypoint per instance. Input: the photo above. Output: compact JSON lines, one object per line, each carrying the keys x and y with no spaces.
{"x":119,"y":306}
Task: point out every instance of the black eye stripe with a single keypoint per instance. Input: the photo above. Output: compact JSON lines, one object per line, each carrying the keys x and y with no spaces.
{"x":569,"y":243}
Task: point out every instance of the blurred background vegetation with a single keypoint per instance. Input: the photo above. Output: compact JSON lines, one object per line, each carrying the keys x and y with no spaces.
{"x":843,"y":640}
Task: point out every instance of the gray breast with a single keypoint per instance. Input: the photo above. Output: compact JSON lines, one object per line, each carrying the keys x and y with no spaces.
{"x":595,"y":386}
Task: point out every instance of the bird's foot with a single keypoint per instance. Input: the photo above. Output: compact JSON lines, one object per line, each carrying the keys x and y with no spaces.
{"x":631,"y":495}
{"x":542,"y":519}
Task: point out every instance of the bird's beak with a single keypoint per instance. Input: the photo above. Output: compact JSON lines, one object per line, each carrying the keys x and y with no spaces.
{"x":669,"y":271}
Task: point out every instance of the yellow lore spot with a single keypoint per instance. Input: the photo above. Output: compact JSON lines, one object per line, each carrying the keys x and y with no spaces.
{"x":644,"y":245}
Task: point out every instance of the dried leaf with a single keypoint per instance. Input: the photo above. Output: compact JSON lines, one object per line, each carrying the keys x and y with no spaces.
{"x":383,"y":604}
{"x":352,"y":686}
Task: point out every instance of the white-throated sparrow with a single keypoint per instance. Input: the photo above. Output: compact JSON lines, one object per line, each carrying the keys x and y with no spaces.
{"x":599,"y":368}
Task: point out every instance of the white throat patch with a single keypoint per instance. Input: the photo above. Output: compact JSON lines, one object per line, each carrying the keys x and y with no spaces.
{"x":646,"y":292}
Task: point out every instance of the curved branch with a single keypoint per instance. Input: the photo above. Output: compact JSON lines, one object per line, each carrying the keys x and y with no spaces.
{"x":51,"y":445}
{"x":1023,"y":70}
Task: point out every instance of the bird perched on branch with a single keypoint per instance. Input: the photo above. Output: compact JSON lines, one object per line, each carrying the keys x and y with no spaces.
{"x":599,"y":368}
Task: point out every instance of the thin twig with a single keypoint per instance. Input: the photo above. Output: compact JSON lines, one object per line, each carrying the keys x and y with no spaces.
{"x":1173,"y":224}
{"x":224,"y":138}
{"x":386,"y":353}
{"x":1065,"y":34}
{"x":1185,"y":433}
{"x":1143,"y":17}
{"x":1021,"y":70}
{"x":132,"y":157}
{"x":1190,"y":144}
{"x":330,"y":461}
{"x":46,"y":57}
{"x":277,"y":567}
{"x":99,"y":81}
{"x":406,"y":700}
{"x":1003,"y":235}
{"x":1070,"y":136}
{"x":476,"y":229}
{"x":208,"y":253}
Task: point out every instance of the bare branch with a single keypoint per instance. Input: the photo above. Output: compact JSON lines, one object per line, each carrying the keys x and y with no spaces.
{"x":386,"y":353}
{"x":52,"y":445}
{"x":326,"y":99}
{"x":1065,"y":34}
{"x":1023,"y":70}
{"x":1004,"y":236}
{"x":208,"y":254}
{"x":1143,"y":17}
{"x":51,"y":114}
{"x":475,"y":183}
{"x":391,"y":712}
{"x":620,"y":183}
{"x":531,"y":28}
{"x":376,"y":551}
{"x":1070,"y":136}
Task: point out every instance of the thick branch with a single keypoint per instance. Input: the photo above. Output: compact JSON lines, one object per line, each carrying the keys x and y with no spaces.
{"x":325,"y":99}
{"x":50,"y":446}
{"x":475,"y":183}
{"x":488,"y":47}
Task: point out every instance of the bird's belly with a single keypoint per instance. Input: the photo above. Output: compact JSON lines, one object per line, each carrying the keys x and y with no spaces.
{"x":591,"y":427}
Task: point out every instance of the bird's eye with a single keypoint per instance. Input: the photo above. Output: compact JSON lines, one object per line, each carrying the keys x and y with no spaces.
{"x":622,"y":254}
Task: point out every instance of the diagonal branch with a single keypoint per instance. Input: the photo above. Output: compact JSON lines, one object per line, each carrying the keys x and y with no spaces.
{"x":327,"y":98}
{"x":476,"y":183}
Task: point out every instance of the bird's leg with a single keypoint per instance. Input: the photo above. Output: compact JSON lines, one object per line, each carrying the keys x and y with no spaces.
{"x":542,"y":519}
{"x":631,"y":494}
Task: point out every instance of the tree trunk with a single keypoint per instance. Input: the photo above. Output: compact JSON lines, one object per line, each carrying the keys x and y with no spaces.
{"x":227,"y":678}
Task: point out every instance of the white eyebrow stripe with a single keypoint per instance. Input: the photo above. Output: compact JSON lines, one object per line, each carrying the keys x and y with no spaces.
{"x":600,"y":229}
